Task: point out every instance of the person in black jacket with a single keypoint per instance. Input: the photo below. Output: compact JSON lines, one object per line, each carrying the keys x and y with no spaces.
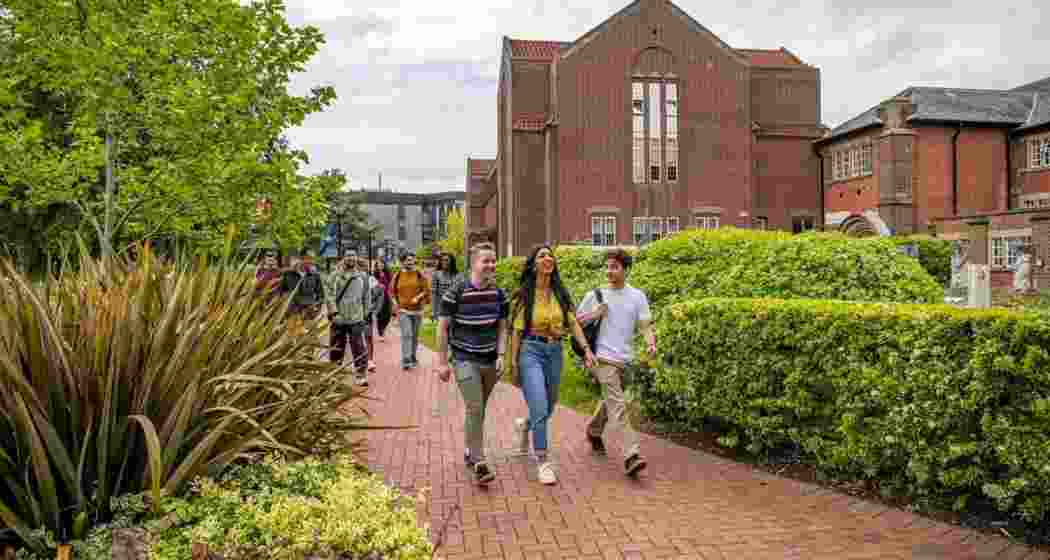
{"x":308,"y":300}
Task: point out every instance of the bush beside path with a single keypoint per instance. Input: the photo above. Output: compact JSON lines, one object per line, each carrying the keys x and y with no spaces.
{"x":687,"y":504}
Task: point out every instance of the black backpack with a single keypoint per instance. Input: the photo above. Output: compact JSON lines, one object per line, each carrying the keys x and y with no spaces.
{"x":590,"y":330}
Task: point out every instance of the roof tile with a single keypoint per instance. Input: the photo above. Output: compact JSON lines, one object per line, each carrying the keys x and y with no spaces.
{"x":769,"y":57}
{"x":536,"y":50}
{"x":530,"y":121}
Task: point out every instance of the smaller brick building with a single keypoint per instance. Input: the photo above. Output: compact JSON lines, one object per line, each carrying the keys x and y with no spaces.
{"x":929,"y":160}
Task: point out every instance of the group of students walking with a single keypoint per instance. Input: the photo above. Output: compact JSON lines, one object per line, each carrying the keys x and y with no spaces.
{"x":359,"y":298}
{"x":473,"y":338}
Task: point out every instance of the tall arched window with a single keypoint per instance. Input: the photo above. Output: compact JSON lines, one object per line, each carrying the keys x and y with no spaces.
{"x":654,"y":130}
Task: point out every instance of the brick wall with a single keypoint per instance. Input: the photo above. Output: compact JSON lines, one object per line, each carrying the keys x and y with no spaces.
{"x":933,"y":187}
{"x":787,"y":176}
{"x":594,"y":159}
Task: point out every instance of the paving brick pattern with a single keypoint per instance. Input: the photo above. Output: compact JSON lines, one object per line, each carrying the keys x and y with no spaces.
{"x":687,"y":504}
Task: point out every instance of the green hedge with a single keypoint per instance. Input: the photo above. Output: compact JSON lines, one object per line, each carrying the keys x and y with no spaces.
{"x":933,"y":400}
{"x":935,"y":255}
{"x":744,"y":263}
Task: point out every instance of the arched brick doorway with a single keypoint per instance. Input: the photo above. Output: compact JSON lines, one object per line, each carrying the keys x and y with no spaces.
{"x":859,"y":226}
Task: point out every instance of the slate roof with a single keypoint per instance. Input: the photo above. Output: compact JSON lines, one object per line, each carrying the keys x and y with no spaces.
{"x":864,"y":120}
{"x":978,"y":106}
{"x":1024,"y":107}
{"x":1040,"y":114}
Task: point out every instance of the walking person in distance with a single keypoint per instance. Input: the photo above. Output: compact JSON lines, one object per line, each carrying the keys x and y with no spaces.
{"x":543,"y":316}
{"x":472,"y":316}
{"x":623,"y":310}
{"x":441,"y":280}
{"x":410,"y":290}
{"x":349,"y":299}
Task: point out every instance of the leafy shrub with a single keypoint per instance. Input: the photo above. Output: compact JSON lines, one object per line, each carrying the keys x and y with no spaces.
{"x":295,"y":510}
{"x":273,"y":509}
{"x":117,"y":381}
{"x":935,"y":255}
{"x":934,"y":400}
{"x":731,"y":262}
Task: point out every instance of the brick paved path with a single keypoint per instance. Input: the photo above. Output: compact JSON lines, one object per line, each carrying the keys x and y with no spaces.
{"x":687,"y":504}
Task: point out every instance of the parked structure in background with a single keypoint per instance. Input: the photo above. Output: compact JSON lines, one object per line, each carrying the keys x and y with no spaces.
{"x":646,"y":125}
{"x":934,"y":160}
{"x":403,"y":221}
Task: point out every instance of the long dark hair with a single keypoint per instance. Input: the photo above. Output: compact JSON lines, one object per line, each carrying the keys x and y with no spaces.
{"x":451,"y":270}
{"x":526,"y":294}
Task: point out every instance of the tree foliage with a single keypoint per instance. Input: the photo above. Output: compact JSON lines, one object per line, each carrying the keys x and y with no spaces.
{"x":455,"y":234}
{"x":158,"y":117}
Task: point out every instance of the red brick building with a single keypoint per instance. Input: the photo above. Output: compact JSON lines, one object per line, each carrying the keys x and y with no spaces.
{"x":646,"y":125}
{"x":930,"y":160}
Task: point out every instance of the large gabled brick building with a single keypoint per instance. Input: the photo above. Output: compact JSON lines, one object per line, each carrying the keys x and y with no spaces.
{"x":930,"y":160}
{"x":645,"y":125}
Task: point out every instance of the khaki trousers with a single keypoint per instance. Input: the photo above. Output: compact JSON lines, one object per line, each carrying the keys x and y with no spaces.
{"x":613,"y":407}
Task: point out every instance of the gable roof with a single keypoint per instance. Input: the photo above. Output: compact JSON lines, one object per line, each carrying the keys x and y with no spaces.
{"x":635,"y":8}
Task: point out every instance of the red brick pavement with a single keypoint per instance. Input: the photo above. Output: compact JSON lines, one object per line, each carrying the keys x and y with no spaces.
{"x":687,"y":504}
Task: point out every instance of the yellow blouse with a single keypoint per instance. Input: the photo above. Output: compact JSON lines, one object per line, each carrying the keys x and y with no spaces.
{"x":547,"y":317}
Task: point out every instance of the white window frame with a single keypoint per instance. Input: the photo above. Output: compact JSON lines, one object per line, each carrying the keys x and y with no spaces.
{"x":639,"y":169}
{"x":603,"y":231}
{"x":706,"y":221}
{"x":1039,"y":152}
{"x":1004,"y":248}
{"x":672,"y":225}
{"x":671,"y":131}
{"x":640,"y":230}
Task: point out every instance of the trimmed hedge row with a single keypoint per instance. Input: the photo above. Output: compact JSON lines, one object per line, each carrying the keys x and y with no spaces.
{"x":731,"y":262}
{"x":933,"y":400}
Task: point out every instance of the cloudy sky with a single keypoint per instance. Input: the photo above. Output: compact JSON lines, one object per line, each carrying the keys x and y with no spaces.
{"x":417,"y":79}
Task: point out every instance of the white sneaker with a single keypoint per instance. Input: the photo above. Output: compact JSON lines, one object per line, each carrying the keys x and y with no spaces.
{"x":521,"y":436}
{"x":546,"y":473}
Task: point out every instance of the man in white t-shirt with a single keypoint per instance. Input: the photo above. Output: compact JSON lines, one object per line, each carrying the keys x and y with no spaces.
{"x":623,"y":312}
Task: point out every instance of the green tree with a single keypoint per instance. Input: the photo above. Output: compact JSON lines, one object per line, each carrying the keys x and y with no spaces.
{"x":157,"y":117}
{"x":455,"y":234}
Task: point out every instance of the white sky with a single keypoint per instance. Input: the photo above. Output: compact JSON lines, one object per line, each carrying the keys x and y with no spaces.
{"x":416,"y":79}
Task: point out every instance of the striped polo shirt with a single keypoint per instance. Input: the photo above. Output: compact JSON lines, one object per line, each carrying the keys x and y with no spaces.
{"x":474,"y":314}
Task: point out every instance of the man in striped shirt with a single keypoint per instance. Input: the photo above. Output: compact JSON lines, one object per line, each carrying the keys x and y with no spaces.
{"x":472,"y":320}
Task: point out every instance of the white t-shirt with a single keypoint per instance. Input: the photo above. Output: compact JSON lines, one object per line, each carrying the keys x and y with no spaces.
{"x":627,"y":306}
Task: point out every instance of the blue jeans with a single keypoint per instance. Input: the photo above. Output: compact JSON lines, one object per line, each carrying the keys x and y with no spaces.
{"x":409,"y":338}
{"x":539,"y":365}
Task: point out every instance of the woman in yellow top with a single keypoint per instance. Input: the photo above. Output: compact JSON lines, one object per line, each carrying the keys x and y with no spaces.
{"x":543,"y":315}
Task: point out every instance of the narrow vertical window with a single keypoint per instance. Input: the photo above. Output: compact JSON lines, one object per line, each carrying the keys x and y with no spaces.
{"x":596,"y":230}
{"x":655,"y":125}
{"x":671,"y":114}
{"x":638,"y":131}
{"x":672,"y":225}
{"x":610,"y":231}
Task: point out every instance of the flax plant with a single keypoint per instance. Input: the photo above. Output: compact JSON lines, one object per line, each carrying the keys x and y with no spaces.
{"x":120,"y":377}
